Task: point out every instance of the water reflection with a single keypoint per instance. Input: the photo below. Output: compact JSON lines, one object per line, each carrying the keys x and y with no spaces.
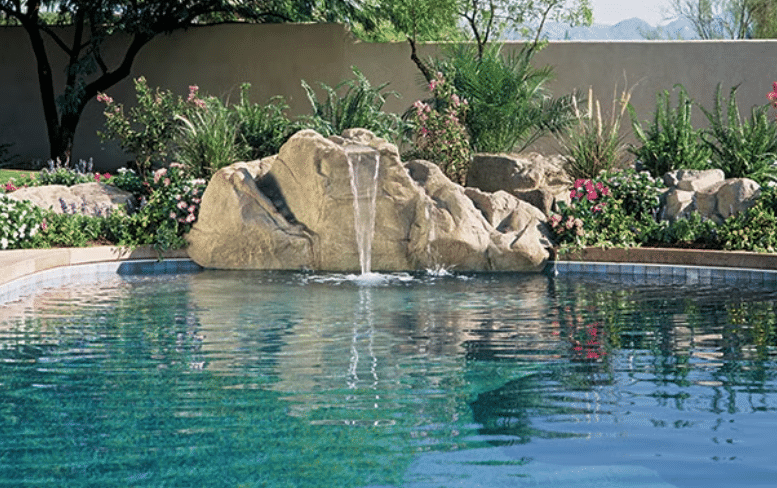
{"x":294,"y":369}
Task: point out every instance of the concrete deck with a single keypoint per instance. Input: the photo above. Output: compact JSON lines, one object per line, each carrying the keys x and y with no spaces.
{"x":23,"y":262}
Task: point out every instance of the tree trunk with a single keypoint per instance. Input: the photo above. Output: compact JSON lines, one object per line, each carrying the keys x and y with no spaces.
{"x":419,"y":62}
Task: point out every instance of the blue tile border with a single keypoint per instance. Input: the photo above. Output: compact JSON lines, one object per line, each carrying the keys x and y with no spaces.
{"x":27,"y":285}
{"x":664,"y":272}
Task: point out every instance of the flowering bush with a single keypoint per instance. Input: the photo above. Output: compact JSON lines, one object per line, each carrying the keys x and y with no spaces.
{"x":20,"y":222}
{"x":578,"y":222}
{"x":148,"y":129}
{"x":441,"y":136}
{"x":169,"y":211}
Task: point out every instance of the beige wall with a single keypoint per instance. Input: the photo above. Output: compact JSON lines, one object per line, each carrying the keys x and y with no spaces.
{"x":274,"y":58}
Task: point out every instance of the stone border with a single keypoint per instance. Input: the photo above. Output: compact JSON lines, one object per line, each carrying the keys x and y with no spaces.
{"x":681,"y":257}
{"x":19,"y":263}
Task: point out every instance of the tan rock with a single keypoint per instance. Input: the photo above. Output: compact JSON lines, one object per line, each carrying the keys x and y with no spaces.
{"x":299,"y":214}
{"x":531,"y":177}
{"x":85,"y":198}
{"x":737,"y":195}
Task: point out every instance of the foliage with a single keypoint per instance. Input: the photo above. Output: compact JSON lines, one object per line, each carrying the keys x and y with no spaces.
{"x":509,"y":108}
{"x":639,"y":194}
{"x":594,"y":144}
{"x":263,"y":127}
{"x":147,"y":130}
{"x":692,"y":229}
{"x":88,"y":71}
{"x":742,"y":149}
{"x":208,"y":140}
{"x":127,"y":180}
{"x":719,"y":19}
{"x":670,"y":141}
{"x":441,"y":137}
{"x":169,"y":212}
{"x":353,"y":103}
{"x":491,"y":18}
{"x":428,"y":20}
{"x":20,"y":222}
{"x":752,"y":230}
{"x":59,"y":173}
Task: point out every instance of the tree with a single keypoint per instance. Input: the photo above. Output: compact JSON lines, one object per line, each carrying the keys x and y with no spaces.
{"x":485,"y":20}
{"x":79,"y":29}
{"x":729,"y":19}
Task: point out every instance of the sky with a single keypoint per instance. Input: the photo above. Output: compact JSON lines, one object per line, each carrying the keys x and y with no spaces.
{"x":611,"y":12}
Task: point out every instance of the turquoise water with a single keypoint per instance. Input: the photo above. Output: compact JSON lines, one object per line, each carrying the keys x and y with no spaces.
{"x":246,"y":379}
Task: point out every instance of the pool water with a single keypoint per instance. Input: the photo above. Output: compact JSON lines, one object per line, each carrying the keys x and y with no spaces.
{"x":248,"y":379}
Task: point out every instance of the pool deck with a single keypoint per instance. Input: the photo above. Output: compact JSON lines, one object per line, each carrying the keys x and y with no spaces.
{"x":19,"y":263}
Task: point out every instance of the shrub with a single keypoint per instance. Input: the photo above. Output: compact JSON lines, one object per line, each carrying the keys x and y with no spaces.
{"x":59,"y":173}
{"x":208,"y":140}
{"x":509,"y":108}
{"x":169,"y":212}
{"x":263,"y":128}
{"x":594,"y":144}
{"x":670,"y":142}
{"x":607,"y":211}
{"x":752,"y":230}
{"x":742,"y":149}
{"x":353,"y":103}
{"x":440,"y":136}
{"x":20,"y":223}
{"x":148,"y":129}
{"x":639,"y":193}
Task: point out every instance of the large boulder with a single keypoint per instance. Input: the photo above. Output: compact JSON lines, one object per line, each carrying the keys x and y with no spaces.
{"x":295,"y":210}
{"x":94,"y":199}
{"x":532,"y":177}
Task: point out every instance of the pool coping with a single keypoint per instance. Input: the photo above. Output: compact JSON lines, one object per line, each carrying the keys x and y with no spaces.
{"x":20,"y":263}
{"x":671,"y":256}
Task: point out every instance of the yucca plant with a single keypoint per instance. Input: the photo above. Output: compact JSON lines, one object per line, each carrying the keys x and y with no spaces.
{"x":670,"y":142}
{"x":354,"y":103}
{"x":208,"y":140}
{"x":741,"y":148}
{"x":594,"y":143}
{"x":509,"y":107}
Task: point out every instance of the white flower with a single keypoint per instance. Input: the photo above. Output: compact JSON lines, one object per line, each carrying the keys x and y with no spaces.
{"x":4,"y":243}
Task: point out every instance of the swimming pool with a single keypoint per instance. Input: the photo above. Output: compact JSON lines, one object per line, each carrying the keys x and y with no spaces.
{"x":281,"y":379}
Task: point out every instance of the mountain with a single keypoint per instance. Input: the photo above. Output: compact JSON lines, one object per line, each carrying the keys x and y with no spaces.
{"x":625,"y":30}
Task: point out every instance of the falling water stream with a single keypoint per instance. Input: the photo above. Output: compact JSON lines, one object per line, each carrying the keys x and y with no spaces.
{"x":363,"y":163}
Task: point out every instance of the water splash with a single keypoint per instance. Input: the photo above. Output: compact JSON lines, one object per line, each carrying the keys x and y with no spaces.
{"x":363,"y":165}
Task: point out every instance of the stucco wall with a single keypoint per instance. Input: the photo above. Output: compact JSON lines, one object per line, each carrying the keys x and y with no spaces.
{"x":274,"y":58}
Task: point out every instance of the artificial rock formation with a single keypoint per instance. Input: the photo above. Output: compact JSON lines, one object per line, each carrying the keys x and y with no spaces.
{"x":86,"y":198}
{"x":295,"y":210}
{"x":708,"y":193}
{"x":531,"y":177}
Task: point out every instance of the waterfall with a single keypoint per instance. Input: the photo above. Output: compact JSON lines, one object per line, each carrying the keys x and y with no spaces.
{"x":363,"y":163}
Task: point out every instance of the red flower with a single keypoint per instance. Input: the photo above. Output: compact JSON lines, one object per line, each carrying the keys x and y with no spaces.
{"x":592,"y":195}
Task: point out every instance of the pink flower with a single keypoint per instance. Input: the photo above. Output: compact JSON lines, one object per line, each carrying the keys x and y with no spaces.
{"x":579,"y":183}
{"x":589,"y":186}
{"x":172,"y":215}
{"x":605,"y":191}
{"x":107,"y":176}
{"x":166,"y":181}
{"x":102,"y":97}
{"x":555,"y":219}
{"x":190,"y":218}
{"x":158,"y":174}
{"x":772,"y":95}
{"x":44,"y":225}
{"x":97,"y":177}
{"x":181,"y":205}
{"x":573,"y":194}
{"x":592,"y":195}
{"x":192,"y":209}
